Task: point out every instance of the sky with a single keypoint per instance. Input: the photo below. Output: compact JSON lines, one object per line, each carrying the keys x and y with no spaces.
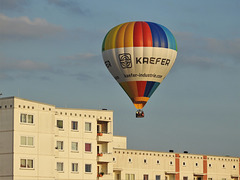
{"x":50,"y":51}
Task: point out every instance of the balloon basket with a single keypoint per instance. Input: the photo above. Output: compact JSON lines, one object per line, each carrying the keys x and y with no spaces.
{"x":139,"y":113}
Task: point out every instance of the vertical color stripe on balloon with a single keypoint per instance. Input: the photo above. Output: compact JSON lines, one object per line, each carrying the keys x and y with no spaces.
{"x":128,"y":38}
{"x":141,"y":85}
{"x":119,"y":41}
{"x":138,"y":34}
{"x":148,"y":88}
{"x":130,"y":88}
{"x":147,"y":35}
{"x":154,"y":87}
{"x":159,"y":36}
{"x":111,"y":38}
{"x":171,"y":40}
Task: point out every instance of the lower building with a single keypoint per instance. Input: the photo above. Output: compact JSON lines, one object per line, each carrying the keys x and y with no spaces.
{"x":150,"y":165}
{"x":40,"y":141}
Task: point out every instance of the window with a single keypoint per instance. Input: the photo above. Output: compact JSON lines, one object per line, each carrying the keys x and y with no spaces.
{"x":26,"y":118}
{"x":60,"y":124}
{"x":59,"y":145}
{"x":88,"y":126}
{"x":130,"y":160}
{"x":59,"y":166}
{"x":88,"y":168}
{"x":158,"y":177}
{"x":145,"y":177}
{"x":74,"y":167}
{"x":185,"y":178}
{"x":209,"y":178}
{"x":88,"y":147}
{"x":26,"y":163}
{"x":26,"y":141}
{"x":196,"y":164}
{"x":145,"y":161}
{"x":184,"y":164}
{"x":158,"y":162}
{"x":130,"y":176}
{"x":74,"y":146}
{"x":171,"y":163}
{"x":74,"y":125}
{"x":210,"y":165}
{"x":234,"y":167}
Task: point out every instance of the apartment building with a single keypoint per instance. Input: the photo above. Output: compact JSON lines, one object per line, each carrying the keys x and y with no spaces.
{"x":40,"y":141}
{"x":150,"y":165}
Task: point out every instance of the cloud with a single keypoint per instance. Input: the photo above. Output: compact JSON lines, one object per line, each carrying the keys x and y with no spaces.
{"x":16,"y":5}
{"x":24,"y":65}
{"x":69,"y":5}
{"x":79,"y":57}
{"x":24,"y":28}
{"x":227,"y":48}
{"x":206,"y":52}
{"x":13,"y":69}
{"x":82,"y":66}
{"x":81,"y":60}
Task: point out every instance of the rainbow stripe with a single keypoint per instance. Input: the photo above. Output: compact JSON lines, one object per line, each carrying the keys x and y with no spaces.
{"x":139,"y":34}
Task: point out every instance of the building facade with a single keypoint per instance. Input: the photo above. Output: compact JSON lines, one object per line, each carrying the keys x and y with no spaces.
{"x":40,"y":141}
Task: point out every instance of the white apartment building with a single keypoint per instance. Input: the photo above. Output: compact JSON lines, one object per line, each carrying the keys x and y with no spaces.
{"x":39,"y":141}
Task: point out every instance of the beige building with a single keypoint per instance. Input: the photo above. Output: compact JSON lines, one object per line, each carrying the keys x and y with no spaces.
{"x":42,"y":142}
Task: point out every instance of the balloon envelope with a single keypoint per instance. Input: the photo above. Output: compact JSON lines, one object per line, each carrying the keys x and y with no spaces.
{"x":139,"y":55}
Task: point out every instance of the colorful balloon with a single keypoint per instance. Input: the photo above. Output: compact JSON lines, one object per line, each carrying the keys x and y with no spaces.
{"x":139,"y":55}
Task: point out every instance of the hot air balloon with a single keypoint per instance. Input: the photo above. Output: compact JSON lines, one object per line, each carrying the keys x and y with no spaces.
{"x":139,"y":55}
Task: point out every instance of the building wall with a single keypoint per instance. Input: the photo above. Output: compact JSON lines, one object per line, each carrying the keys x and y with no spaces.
{"x":41,"y":152}
{"x":173,"y":165}
{"x":6,"y":139}
{"x":29,"y":141}
{"x":120,"y":142}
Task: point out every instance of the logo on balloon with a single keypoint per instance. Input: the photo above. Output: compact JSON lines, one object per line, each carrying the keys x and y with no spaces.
{"x":125,"y":60}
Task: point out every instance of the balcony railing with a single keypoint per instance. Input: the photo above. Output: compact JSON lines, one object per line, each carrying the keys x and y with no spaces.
{"x":104,"y":157}
{"x":104,"y":137}
{"x":99,"y":134}
{"x":105,"y":176}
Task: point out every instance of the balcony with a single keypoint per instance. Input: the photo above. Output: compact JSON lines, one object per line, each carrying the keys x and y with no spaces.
{"x":104,"y":157}
{"x":103,"y":176}
{"x":100,"y":154}
{"x":104,"y":137}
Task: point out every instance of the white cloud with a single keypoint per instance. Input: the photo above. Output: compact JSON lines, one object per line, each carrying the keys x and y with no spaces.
{"x":12,"y":69}
{"x":227,"y":48}
{"x":24,"y":65}
{"x":207,"y":52}
{"x":81,"y":56}
{"x":24,"y":28}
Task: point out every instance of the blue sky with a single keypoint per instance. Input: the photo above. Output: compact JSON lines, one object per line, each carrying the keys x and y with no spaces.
{"x":50,"y":51}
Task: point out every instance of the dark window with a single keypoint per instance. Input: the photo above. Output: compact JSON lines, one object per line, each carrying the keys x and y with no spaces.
{"x":88,"y":168}
{"x":88,"y":147}
{"x":60,"y":124}
{"x":145,"y":177}
{"x":74,"y":125}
